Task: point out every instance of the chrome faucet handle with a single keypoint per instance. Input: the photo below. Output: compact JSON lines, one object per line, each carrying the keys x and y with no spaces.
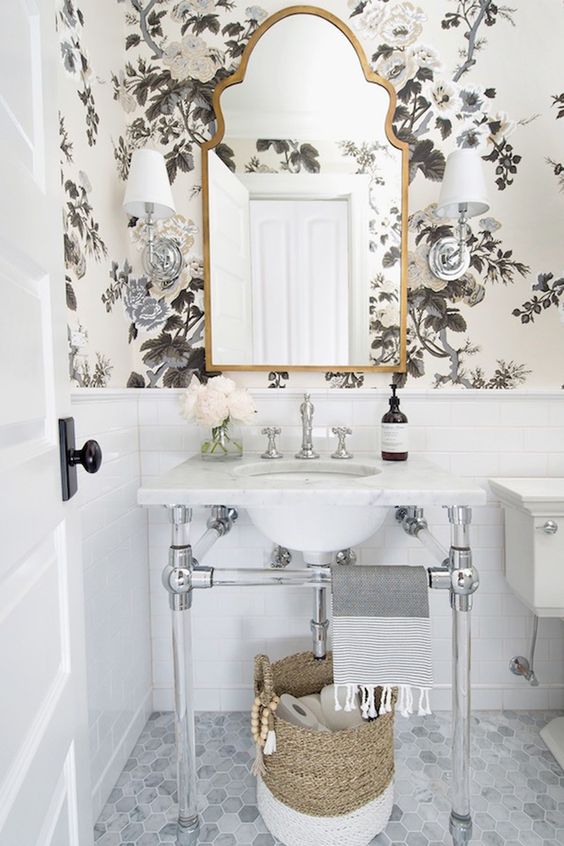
{"x":341,"y":451}
{"x":271,"y":450}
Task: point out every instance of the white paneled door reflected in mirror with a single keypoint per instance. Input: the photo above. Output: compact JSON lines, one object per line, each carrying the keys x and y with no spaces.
{"x":305,"y":206}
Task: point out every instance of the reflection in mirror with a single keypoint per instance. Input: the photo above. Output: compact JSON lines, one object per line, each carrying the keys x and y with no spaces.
{"x":304,"y":194}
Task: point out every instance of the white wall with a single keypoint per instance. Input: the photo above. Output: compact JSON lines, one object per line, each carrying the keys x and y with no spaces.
{"x":116,"y":586}
{"x":472,"y":434}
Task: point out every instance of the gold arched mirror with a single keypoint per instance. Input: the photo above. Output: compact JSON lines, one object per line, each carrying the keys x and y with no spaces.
{"x":305,"y":206}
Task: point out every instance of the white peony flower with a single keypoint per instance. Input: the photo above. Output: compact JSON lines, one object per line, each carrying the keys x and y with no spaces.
{"x":256,"y":13}
{"x":444,"y":96}
{"x":423,"y":218}
{"x":181,"y":229}
{"x":398,"y":68}
{"x":241,"y":405}
{"x":419,"y":273}
{"x":368,"y":23}
{"x":504,"y":130}
{"x":202,"y":7}
{"x":403,"y":26}
{"x":425,"y":57}
{"x":223,"y":384}
{"x":211,"y":408}
{"x":189,"y":398}
{"x":388,"y":315}
{"x":202,"y":68}
{"x":489,"y":224}
{"x":175,"y":60}
{"x":193,"y":45}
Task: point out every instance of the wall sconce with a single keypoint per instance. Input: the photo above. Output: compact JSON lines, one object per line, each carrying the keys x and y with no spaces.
{"x":148,"y":196}
{"x":463,"y":195}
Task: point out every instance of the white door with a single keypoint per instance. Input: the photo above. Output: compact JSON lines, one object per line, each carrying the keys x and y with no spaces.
{"x":300,"y":272}
{"x":44,"y":794}
{"x":230,"y":266}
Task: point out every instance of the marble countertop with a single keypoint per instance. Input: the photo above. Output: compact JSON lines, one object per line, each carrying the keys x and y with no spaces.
{"x":412,"y":482}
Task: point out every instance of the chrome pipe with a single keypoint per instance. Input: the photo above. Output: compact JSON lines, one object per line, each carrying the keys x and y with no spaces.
{"x":309,"y":577}
{"x":180,"y":519}
{"x":412,"y":520}
{"x":205,"y":543}
{"x":319,"y":623}
{"x":220,"y":523}
{"x":432,"y":545}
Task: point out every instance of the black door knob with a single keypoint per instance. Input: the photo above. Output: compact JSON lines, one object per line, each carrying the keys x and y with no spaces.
{"x":89,"y":457}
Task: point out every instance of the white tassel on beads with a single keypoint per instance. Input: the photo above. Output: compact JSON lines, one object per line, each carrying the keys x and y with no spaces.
{"x":270,"y":745}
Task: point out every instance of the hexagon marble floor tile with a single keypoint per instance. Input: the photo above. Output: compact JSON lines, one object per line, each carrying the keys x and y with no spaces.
{"x":517,"y":786}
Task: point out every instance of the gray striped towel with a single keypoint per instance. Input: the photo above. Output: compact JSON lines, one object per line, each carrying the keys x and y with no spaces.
{"x":382,"y":636}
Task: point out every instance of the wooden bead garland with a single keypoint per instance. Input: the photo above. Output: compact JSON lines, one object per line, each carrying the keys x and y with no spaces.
{"x":262,"y":728}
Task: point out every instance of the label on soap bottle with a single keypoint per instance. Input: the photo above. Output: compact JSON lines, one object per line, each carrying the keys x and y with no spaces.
{"x":395,"y":437}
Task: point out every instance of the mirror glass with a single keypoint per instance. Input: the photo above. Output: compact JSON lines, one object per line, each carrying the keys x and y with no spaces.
{"x":303,"y":209}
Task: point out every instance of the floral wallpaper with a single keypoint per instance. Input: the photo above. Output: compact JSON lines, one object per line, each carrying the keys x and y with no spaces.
{"x":140,"y":73}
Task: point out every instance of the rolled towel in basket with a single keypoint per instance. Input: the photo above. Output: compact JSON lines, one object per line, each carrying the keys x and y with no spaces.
{"x":382,"y":636}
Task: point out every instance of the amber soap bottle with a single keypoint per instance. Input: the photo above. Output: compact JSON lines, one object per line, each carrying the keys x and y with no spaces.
{"x":394,"y":431}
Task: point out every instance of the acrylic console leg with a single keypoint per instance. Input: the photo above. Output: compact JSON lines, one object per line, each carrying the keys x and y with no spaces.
{"x":177,"y":580}
{"x":464,"y":582}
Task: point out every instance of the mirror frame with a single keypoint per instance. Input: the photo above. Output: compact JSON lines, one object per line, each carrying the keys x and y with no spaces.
{"x":237,"y":78}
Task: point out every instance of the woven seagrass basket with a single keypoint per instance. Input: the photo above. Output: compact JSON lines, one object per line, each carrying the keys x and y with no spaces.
{"x":322,"y":788}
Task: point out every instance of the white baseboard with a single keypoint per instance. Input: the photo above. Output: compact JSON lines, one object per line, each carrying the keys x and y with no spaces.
{"x":105,"y":784}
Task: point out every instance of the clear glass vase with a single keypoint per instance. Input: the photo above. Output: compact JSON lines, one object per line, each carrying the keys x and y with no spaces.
{"x":222,"y":443}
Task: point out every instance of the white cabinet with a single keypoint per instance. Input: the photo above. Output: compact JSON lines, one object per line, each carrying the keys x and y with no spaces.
{"x":534,"y":541}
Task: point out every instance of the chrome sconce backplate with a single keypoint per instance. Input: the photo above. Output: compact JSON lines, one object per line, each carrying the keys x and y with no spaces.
{"x":162,"y":261}
{"x":449,"y":258}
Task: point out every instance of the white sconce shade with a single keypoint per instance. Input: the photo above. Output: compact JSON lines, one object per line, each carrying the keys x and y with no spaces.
{"x":148,"y":183}
{"x":463,"y":184}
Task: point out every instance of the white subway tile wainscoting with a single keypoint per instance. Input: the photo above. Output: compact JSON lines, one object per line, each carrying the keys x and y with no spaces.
{"x":116,"y":586}
{"x":474,"y":434}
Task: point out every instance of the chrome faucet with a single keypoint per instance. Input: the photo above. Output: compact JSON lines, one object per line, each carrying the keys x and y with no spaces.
{"x":306,"y":410}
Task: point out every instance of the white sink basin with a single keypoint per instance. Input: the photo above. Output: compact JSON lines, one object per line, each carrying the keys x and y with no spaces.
{"x":308,"y":470}
{"x":314,"y":528}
